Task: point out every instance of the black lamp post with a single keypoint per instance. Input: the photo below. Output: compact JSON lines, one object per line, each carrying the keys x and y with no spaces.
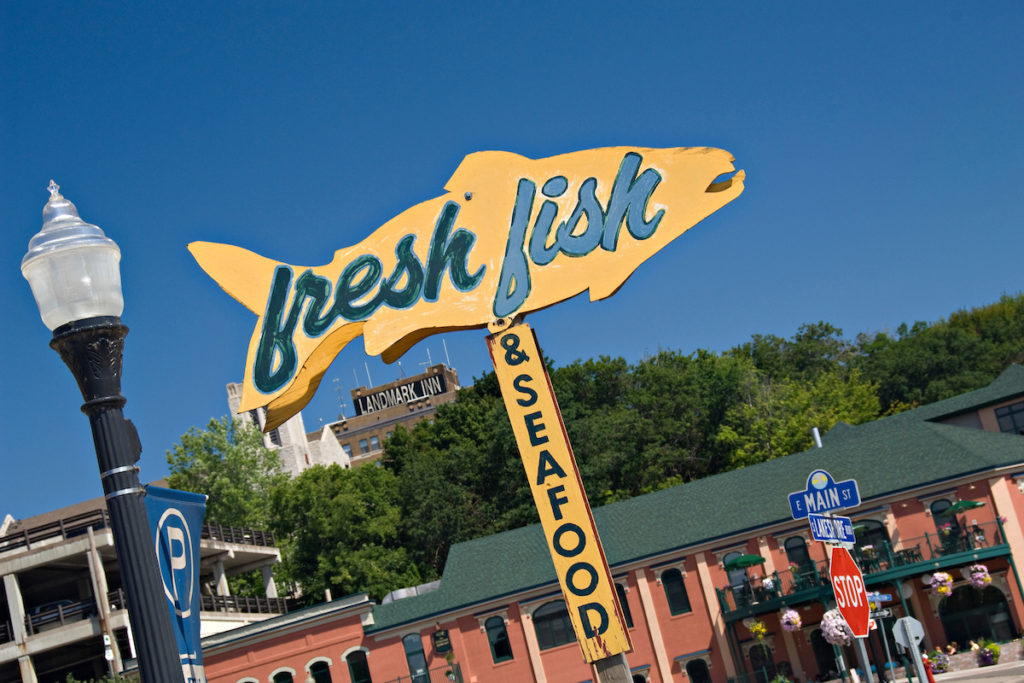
{"x":72,"y":268}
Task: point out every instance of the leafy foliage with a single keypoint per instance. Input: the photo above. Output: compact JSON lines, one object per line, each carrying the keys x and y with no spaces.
{"x":338,"y":530}
{"x":635,"y":428}
{"x":925,"y":363}
{"x":228,"y":462}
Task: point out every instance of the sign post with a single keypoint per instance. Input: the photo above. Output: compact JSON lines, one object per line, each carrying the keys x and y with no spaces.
{"x":510,"y":235}
{"x":909,"y":632}
{"x":565,"y":515}
{"x":852,"y":600}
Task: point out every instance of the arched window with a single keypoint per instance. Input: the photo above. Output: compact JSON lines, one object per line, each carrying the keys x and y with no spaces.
{"x":871,"y":532}
{"x":824,"y":656}
{"x":697,"y":671}
{"x":675,"y":591}
{"x":413,"y":645}
{"x":971,"y":614}
{"x":358,"y":668}
{"x":796,"y":552}
{"x":283,"y":677}
{"x":320,"y":672}
{"x":761,"y":662}
{"x":737,"y":577}
{"x":621,"y":592}
{"x":552,"y":625}
{"x":947,"y":526}
{"x":497,"y":636}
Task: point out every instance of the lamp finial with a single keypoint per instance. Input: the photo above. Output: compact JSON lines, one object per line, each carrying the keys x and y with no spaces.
{"x":54,"y":188}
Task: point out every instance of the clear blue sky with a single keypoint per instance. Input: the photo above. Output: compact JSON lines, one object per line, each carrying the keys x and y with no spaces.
{"x":882,"y":145}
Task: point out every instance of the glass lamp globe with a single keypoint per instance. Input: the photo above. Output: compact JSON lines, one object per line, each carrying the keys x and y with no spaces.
{"x":72,"y":267}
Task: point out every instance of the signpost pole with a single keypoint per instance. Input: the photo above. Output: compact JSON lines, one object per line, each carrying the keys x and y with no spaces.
{"x":889,"y":667}
{"x":568,"y":523}
{"x":612,"y":669}
{"x":862,"y":659}
{"x":913,"y":652}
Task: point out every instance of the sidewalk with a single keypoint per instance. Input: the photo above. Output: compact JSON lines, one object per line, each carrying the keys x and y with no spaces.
{"x":1007,"y":672}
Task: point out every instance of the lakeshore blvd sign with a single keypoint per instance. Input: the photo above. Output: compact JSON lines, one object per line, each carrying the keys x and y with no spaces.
{"x":565,"y":514}
{"x":510,"y":236}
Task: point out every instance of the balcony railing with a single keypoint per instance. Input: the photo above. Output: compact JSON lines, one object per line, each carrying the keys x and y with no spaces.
{"x":6,"y":632}
{"x":956,"y":546}
{"x":234,"y":534}
{"x":76,"y":525}
{"x":242,"y":603}
{"x":67,"y":527}
{"x":58,"y":614}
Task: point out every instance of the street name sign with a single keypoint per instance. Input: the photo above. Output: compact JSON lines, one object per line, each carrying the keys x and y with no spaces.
{"x":880,"y":597}
{"x":823,"y":494}
{"x":511,"y":235}
{"x":831,"y":529}
{"x":848,"y":585}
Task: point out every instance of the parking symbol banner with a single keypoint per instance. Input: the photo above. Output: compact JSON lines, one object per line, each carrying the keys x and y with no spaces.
{"x":176,"y":522}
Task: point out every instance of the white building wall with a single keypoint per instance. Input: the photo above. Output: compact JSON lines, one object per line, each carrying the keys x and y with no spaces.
{"x":297,"y":452}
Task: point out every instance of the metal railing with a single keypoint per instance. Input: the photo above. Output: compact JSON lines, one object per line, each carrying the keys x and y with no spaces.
{"x":56,"y":615}
{"x":76,"y":525}
{"x":944,"y":546}
{"x":6,"y":632}
{"x":445,"y":674}
{"x":242,"y":603}
{"x":67,"y":527}
{"x":234,"y":534}
{"x":116,"y":600}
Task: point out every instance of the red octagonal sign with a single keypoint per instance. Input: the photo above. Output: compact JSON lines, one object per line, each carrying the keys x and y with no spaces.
{"x":851,"y":597}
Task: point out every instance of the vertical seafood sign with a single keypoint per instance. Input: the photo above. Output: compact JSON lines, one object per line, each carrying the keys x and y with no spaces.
{"x":565,"y":514}
{"x":511,"y":235}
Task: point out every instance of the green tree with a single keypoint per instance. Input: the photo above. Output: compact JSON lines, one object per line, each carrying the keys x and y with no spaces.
{"x":775,"y":418}
{"x":229,"y":463}
{"x":460,"y":476}
{"x":339,"y":530}
{"x":925,"y":362}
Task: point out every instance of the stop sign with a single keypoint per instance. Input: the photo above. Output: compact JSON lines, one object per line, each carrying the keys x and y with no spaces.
{"x":848,"y":585}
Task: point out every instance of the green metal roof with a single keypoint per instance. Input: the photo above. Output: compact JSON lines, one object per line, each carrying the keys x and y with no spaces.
{"x":886,"y":456}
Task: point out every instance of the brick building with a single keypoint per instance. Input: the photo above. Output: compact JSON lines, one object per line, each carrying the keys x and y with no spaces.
{"x":354,"y":441}
{"x":942,"y":488}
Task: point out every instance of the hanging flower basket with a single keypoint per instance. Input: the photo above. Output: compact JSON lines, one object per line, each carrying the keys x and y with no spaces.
{"x":834,"y":628}
{"x":941,"y":583}
{"x":868,"y":552}
{"x":790,"y":620}
{"x":978,"y":575}
{"x":757,"y":629}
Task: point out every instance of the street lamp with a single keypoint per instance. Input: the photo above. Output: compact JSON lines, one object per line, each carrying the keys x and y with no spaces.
{"x":72,"y":268}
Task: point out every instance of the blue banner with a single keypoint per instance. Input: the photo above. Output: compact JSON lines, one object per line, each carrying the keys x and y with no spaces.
{"x":176,"y":521}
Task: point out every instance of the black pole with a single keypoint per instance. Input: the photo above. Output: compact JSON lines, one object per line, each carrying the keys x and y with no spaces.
{"x":92,"y":350}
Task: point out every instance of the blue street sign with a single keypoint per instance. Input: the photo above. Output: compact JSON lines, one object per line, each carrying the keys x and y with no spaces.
{"x":879,"y":597}
{"x":831,"y":529}
{"x":823,"y":494}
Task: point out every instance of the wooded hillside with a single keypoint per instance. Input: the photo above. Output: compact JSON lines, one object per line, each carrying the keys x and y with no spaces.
{"x":635,"y":427}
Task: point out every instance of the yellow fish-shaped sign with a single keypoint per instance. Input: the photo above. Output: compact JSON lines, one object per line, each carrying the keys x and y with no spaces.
{"x":512,"y":235}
